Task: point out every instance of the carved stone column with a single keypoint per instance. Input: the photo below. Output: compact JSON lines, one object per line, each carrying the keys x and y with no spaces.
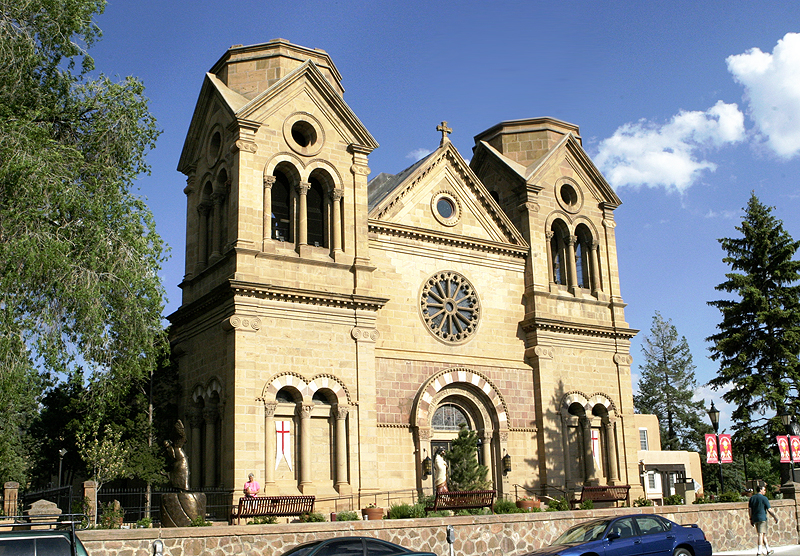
{"x":588,"y":459}
{"x":336,"y":208}
{"x":306,"y":484}
{"x":195,"y":445}
{"x":302,"y":219}
{"x":342,"y":485}
{"x":216,"y":227}
{"x":572,"y":270}
{"x":267,"y":210}
{"x":551,"y":261}
{"x":211,"y":416}
{"x":594,"y":264}
{"x":486,"y":452}
{"x":202,"y":237}
{"x":611,"y":451}
{"x":269,"y":444}
{"x":565,"y":446}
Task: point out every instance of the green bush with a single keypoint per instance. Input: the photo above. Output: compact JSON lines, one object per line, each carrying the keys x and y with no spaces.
{"x":730,"y":496}
{"x":263,"y":520}
{"x":200,"y":521}
{"x":311,"y":517}
{"x":346,"y":516}
{"x":145,"y":522}
{"x":642,"y":501}
{"x":405,"y":511}
{"x":111,"y":516}
{"x":505,"y":506}
{"x":473,"y":511}
{"x":703,"y":500}
{"x":587,"y":505}
{"x":673,"y":500}
{"x":439,"y":513}
{"x":560,"y":505}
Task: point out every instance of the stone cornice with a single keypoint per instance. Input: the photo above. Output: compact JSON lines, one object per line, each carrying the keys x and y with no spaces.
{"x":444,"y":238}
{"x":233,"y":288}
{"x":568,"y":327}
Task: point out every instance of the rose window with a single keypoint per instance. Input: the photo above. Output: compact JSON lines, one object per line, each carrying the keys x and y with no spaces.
{"x":450,"y":307}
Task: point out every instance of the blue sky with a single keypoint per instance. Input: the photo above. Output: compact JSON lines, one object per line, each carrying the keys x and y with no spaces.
{"x":685,"y":106}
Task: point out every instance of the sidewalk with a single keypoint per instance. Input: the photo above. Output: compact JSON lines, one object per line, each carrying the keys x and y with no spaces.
{"x":791,"y":550}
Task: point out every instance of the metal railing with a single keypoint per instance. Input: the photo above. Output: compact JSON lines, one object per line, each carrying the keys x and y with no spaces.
{"x":544,"y":492}
{"x":62,"y":497}
{"x":133,"y":502}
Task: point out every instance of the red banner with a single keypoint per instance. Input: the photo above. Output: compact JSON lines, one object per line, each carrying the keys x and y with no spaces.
{"x":794,"y":442}
{"x":711,"y":449}
{"x":783,"y":448}
{"x":726,"y":449}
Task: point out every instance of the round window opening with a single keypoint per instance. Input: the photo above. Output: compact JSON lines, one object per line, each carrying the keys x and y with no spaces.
{"x":568,"y":195}
{"x":450,"y":307}
{"x":445,"y":207}
{"x":304,"y":133}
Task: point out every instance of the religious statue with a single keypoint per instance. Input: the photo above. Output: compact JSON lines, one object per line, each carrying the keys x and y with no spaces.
{"x":179,"y":509}
{"x":440,"y":471}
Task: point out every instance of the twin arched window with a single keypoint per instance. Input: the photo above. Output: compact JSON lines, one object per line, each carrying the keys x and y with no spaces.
{"x":573,"y":258}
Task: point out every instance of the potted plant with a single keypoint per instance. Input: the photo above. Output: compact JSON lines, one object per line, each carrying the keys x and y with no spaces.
{"x":528,"y":503}
{"x":372,"y":512}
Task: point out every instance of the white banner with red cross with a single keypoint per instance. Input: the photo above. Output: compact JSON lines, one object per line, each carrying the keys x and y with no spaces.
{"x":283,"y":447}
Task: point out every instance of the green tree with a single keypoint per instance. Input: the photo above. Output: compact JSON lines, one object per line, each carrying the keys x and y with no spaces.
{"x":79,"y":254}
{"x":758,"y":342}
{"x":464,"y":472}
{"x":667,"y":387}
{"x":105,"y":455}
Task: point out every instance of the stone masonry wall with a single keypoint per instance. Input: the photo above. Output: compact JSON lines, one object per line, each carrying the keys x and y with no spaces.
{"x":725,"y":525}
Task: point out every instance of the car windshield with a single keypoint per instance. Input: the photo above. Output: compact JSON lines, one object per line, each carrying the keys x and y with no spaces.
{"x":303,"y":549}
{"x":585,"y":532}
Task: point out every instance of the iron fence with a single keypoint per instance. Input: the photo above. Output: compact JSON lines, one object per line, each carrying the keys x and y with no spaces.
{"x":62,"y":497}
{"x":133,"y":502}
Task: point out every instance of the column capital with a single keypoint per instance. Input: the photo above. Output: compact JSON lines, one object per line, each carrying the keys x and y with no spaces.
{"x":336,"y":195}
{"x":269,"y":181}
{"x":302,"y":188}
{"x":217,"y":197}
{"x":342,"y":411}
{"x":549,"y":234}
{"x":305,"y":410}
{"x":210,"y":414}
{"x":269,"y":409}
{"x":202,"y":209}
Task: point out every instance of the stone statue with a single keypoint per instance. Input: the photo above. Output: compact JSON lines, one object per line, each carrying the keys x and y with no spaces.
{"x":440,"y":471}
{"x":179,"y":476}
{"x":179,"y":509}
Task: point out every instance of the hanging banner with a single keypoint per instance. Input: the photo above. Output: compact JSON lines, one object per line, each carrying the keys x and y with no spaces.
{"x":783,"y":449}
{"x":711,"y":449}
{"x":596,"y":445}
{"x":725,"y":449}
{"x":283,"y":449}
{"x":794,"y":443}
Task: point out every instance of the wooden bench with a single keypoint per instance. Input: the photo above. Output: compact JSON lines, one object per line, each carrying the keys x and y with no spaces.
{"x":278,"y":506}
{"x":463,"y":500}
{"x":614,"y":494}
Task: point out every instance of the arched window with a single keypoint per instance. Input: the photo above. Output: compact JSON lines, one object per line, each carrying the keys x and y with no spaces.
{"x":558,"y":253}
{"x":316,"y":207}
{"x":584,"y":261}
{"x":281,"y":207}
{"x":449,"y":418}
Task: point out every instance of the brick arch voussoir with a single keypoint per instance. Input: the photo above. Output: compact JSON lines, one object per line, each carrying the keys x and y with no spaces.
{"x":600,"y":398}
{"x":287,"y":378}
{"x":455,"y":376}
{"x":575,"y":396}
{"x":330,"y":382}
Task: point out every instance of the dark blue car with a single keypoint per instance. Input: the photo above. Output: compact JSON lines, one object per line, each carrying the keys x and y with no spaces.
{"x":630,"y":535}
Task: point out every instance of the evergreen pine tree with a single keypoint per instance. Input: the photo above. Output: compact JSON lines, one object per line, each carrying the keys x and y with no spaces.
{"x":464,"y":472}
{"x":758,"y":341}
{"x":666,"y":387}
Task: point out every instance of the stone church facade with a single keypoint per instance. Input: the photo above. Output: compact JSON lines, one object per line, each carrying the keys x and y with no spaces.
{"x":335,"y":330}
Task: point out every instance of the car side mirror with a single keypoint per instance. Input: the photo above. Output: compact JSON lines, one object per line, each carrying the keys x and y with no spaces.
{"x":613,"y":536}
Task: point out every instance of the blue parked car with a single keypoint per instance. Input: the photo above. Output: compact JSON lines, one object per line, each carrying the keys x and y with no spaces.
{"x":630,"y":535}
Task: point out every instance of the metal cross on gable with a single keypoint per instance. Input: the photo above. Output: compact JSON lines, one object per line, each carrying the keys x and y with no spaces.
{"x":445,"y":131}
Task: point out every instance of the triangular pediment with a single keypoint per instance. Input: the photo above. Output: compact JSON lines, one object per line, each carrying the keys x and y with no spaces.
{"x":410,"y":201}
{"x":304,"y":86}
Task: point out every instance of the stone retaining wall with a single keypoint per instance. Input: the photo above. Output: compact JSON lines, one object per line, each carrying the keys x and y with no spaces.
{"x":726,"y":526}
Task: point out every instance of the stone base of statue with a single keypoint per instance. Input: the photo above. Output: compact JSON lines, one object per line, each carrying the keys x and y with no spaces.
{"x":178,"y":509}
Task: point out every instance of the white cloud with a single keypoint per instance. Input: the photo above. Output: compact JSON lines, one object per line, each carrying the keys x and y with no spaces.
{"x":645,"y":153}
{"x":418,"y":154}
{"x":727,"y":214}
{"x":772,"y":90}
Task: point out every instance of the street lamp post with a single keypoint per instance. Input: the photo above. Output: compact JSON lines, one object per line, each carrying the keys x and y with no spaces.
{"x":61,"y":453}
{"x":786,"y":419}
{"x":713,"y":414}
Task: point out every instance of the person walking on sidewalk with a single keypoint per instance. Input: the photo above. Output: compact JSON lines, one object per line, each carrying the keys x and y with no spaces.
{"x":758,"y":506}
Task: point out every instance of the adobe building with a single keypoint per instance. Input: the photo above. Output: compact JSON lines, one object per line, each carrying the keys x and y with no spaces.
{"x":335,"y":331}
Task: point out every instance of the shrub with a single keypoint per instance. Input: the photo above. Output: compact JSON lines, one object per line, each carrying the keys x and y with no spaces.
{"x":560,"y":505}
{"x":263,"y":520}
{"x":587,"y":505}
{"x":473,"y":511}
{"x":111,"y":516}
{"x":200,"y":521}
{"x":730,"y":496}
{"x":673,"y":500}
{"x":505,"y":506}
{"x":642,"y":501}
{"x":346,"y":516}
{"x":703,"y":500}
{"x":405,"y":511}
{"x":145,"y":522}
{"x":311,"y":517}
{"x":439,"y":513}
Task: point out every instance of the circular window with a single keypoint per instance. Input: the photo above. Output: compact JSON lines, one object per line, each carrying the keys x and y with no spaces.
{"x":214,"y":147}
{"x":446,"y":208}
{"x":569,"y":197}
{"x":450,"y":307}
{"x":303,"y":133}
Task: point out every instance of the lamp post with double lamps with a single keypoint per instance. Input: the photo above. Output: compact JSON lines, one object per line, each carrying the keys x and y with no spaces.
{"x":713,"y":414}
{"x":786,"y":419}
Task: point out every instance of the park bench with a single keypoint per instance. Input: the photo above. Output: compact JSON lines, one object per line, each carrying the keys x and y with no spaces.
{"x":278,"y":506}
{"x":603,"y":494}
{"x":463,"y":500}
